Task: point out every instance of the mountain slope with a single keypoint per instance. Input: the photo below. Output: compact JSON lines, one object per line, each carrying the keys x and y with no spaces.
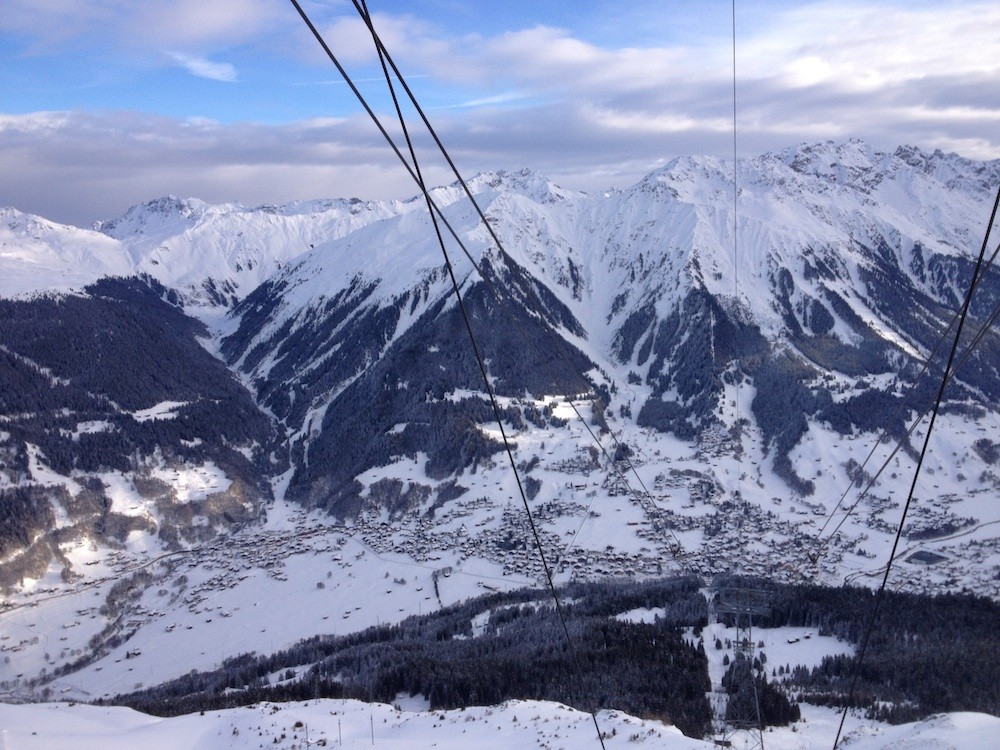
{"x":694,"y":369}
{"x":39,"y":255}
{"x":841,"y":273}
{"x":215,"y":255}
{"x":119,"y":428}
{"x":323,"y":442}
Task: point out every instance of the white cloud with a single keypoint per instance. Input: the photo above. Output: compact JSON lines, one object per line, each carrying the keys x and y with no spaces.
{"x":489,"y":101}
{"x":196,"y":24}
{"x":33,"y":122}
{"x":199,"y":66}
{"x":870,"y":46}
{"x":865,"y":69}
{"x":82,"y":167}
{"x":148,"y":27}
{"x":588,"y":115}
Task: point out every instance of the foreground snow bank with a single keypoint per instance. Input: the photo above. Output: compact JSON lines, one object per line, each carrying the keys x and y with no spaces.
{"x":351,"y":724}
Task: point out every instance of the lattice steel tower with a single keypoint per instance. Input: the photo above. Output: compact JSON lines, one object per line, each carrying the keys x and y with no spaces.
{"x":746,"y":671}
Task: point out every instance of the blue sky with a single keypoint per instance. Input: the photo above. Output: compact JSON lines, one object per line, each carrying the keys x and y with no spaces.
{"x":107,"y":103}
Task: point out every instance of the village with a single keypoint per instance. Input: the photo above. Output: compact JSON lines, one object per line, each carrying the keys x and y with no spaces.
{"x":594,"y":518}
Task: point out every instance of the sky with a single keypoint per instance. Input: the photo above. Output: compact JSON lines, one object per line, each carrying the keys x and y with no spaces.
{"x":108,"y":103}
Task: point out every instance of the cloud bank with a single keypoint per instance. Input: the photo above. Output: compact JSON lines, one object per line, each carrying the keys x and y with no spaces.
{"x":588,"y":115}
{"x":199,"y":66}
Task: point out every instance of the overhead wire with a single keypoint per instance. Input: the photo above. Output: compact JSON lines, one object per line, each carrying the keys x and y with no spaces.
{"x":677,"y":549}
{"x":462,"y":182}
{"x":485,"y":221}
{"x":453,"y":233}
{"x":737,"y":422}
{"x":430,"y":129}
{"x":736,"y":274}
{"x":948,"y":373}
{"x":970,"y":349}
{"x":363,"y":10}
{"x":911,"y":391}
{"x":472,"y":339}
{"x":436,"y":210}
{"x":892,"y":419}
{"x":967,"y":302}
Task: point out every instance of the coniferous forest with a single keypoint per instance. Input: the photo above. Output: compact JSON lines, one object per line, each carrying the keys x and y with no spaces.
{"x":649,"y":670}
{"x":925,"y":655}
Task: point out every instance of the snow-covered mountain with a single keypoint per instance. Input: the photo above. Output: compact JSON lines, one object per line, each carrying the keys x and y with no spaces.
{"x":211,"y":255}
{"x":119,"y":430}
{"x":762,"y":329}
{"x":215,"y":255}
{"x":687,"y":387}
{"x":848,"y":265}
{"x":37,"y":255}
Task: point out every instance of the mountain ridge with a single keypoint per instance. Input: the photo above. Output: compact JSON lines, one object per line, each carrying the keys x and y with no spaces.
{"x":190,"y":452}
{"x":626,"y":303}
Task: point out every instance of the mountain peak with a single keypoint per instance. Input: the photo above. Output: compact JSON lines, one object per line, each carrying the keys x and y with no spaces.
{"x":833,"y":162}
{"x":526,"y":182}
{"x":38,"y":255}
{"x":951,"y":169}
{"x":156,"y":211}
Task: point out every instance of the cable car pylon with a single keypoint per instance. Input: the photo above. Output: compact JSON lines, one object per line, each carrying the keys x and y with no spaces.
{"x":741,"y":714}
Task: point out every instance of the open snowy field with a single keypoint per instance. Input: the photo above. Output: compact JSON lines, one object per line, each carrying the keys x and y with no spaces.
{"x":516,"y":724}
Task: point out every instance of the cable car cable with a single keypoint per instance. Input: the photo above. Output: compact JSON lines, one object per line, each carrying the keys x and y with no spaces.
{"x":556,"y":339}
{"x":912,"y":390}
{"x":486,"y":380}
{"x":916,"y":475}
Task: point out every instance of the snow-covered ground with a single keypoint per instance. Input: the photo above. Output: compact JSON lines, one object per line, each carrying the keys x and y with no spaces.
{"x":259,"y":590}
{"x":298,"y":575}
{"x":233,"y":595}
{"x":516,"y":724}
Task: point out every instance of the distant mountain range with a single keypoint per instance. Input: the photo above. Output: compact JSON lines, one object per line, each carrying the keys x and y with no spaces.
{"x":165,"y":375}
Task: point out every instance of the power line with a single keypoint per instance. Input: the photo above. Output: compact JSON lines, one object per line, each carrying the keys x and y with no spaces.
{"x":738,"y":715}
{"x":430,"y":128}
{"x":983,"y":330}
{"x":362,"y":9}
{"x":916,"y":474}
{"x":434,"y":211}
{"x":472,"y":341}
{"x":469,"y":194}
{"x":736,"y":255}
{"x":677,"y":548}
{"x":736,"y":276}
{"x":977,"y":338}
{"x":977,"y":279}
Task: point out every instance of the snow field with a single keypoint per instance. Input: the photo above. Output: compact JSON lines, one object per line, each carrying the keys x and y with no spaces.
{"x":515,"y":724}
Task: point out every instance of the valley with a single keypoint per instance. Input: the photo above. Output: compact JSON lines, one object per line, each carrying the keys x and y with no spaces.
{"x":198,"y":606}
{"x":224,"y":430}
